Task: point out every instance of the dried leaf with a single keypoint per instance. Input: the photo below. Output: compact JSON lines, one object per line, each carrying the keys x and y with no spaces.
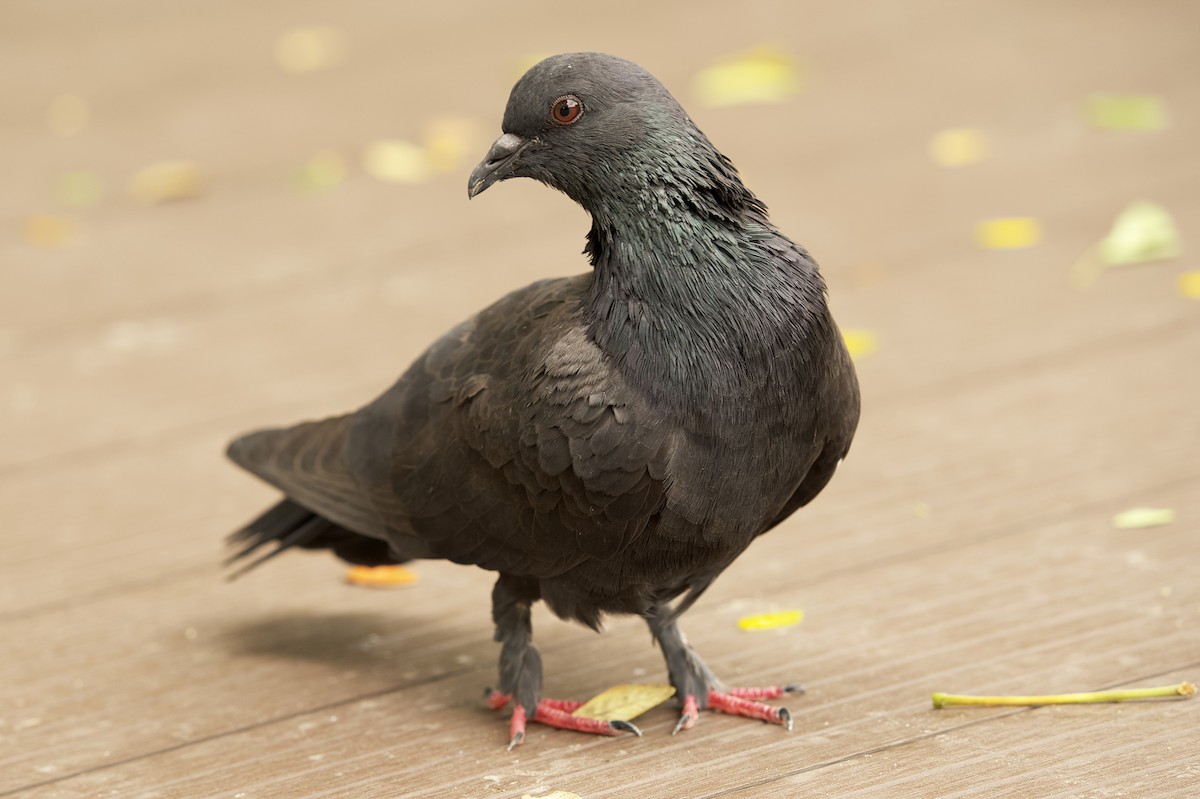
{"x":771,"y":621}
{"x":324,"y":170}
{"x":46,"y":230}
{"x":167,"y":180}
{"x":448,"y":141}
{"x":860,"y":343}
{"x":68,"y":115}
{"x":625,"y":702}
{"x":1126,"y":112}
{"x":381,"y":576}
{"x":958,"y":147}
{"x":79,"y":189}
{"x":1189,"y":285}
{"x":763,"y":75}
{"x":303,"y":50}
{"x":1012,"y":233}
{"x":1143,"y":232}
{"x":396,"y":161}
{"x":1137,"y":518}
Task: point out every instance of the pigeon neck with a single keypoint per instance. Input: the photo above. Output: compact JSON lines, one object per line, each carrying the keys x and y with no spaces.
{"x":700,"y":312}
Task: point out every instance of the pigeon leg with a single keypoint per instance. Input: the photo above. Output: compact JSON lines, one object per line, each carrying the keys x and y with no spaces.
{"x":521,"y":670}
{"x":699,"y":689}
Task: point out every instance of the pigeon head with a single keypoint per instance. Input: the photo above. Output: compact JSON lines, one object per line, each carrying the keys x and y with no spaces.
{"x":606,"y":133}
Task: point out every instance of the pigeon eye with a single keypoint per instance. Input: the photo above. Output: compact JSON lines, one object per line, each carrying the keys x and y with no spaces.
{"x":566,"y":109}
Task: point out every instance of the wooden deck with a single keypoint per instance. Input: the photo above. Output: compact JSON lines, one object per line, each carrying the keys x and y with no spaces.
{"x":966,"y":545}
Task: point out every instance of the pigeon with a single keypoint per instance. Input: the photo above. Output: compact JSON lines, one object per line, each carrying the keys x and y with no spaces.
{"x":606,"y":443}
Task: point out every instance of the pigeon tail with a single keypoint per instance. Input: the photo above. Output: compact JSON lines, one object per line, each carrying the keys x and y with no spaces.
{"x":290,"y":525}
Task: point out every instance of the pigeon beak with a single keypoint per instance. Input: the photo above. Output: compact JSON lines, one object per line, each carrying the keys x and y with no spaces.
{"x":497,"y":164}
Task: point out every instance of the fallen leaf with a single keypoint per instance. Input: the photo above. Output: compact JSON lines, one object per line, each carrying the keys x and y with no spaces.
{"x":68,"y":115}
{"x":1189,"y":285}
{"x":1137,"y":518}
{"x":167,"y":180}
{"x":448,"y":140}
{"x":1143,"y":232}
{"x":764,"y":75}
{"x":860,"y":343}
{"x":625,"y":702}
{"x":395,"y":161}
{"x":958,"y":147}
{"x":324,"y":170}
{"x":771,"y":621}
{"x":1012,"y":233}
{"x":1125,"y":112}
{"x":381,"y":576}
{"x":46,"y":230}
{"x":303,"y":50}
{"x":79,"y":189}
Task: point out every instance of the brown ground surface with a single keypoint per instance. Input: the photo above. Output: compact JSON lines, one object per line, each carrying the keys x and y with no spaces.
{"x":966,"y":545}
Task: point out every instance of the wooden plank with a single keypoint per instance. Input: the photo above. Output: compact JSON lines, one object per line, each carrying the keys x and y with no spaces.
{"x":1076,"y":751}
{"x":1088,"y":610}
{"x":965,"y":547}
{"x":1036,"y":446}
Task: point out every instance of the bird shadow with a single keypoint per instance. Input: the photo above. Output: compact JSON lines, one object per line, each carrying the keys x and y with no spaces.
{"x":349,"y":640}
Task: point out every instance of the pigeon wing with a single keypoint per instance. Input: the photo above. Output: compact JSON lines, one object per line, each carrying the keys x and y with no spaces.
{"x":510,"y":444}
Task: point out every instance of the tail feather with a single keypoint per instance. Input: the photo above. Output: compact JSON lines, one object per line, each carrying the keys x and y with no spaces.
{"x":291,"y":525}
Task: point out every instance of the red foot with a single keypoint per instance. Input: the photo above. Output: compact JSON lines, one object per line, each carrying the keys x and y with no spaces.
{"x":555,"y":713}
{"x":741,"y":702}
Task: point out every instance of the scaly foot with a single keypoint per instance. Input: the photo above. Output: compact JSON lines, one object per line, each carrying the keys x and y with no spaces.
{"x":554,"y":713}
{"x":740,"y":702}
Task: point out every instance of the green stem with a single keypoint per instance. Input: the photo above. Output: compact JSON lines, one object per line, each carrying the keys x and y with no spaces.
{"x":1184,"y":689}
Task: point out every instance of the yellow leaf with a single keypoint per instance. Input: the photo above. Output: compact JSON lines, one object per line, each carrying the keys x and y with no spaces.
{"x":958,"y":147}
{"x":1011,"y":233}
{"x":860,"y":343}
{"x":68,"y":115}
{"x":324,"y":170}
{"x":167,"y":180}
{"x":1125,"y":112}
{"x":45,"y":230}
{"x":396,"y":161}
{"x":1137,"y":518}
{"x":381,"y":576}
{"x":771,"y":621}
{"x":625,"y":702}
{"x":761,"y":76}
{"x":447,"y":142}
{"x":303,"y":50}
{"x":79,"y":189}
{"x":1142,"y":232}
{"x":1189,"y":285}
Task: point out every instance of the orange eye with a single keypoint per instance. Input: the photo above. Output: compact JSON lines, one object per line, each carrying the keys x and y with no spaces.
{"x":566,"y":109}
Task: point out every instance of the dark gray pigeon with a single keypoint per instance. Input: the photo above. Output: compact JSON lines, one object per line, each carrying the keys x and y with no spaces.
{"x":610,"y":442}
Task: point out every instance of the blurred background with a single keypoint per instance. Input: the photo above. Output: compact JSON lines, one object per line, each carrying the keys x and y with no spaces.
{"x":218,"y":215}
{"x":209,"y":207}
